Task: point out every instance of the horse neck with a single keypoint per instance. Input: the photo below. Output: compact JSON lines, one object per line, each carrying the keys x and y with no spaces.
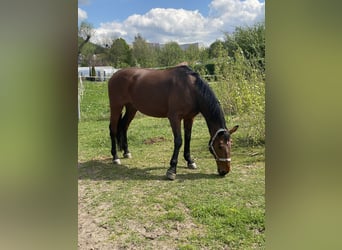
{"x":209,"y":106}
{"x":214,"y":123}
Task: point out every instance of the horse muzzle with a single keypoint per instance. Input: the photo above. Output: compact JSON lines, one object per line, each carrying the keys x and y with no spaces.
{"x":222,"y":172}
{"x":223,"y":167}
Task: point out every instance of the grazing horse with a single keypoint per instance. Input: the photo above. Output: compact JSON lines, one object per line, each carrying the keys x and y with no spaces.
{"x":177,"y":93}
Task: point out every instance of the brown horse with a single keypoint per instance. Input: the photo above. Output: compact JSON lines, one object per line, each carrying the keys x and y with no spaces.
{"x":177,"y":93}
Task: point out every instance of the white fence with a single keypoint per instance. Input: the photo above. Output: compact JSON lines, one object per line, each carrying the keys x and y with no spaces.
{"x":103,"y":73}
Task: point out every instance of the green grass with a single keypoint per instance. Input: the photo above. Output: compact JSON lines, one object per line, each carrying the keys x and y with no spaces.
{"x":139,"y":207}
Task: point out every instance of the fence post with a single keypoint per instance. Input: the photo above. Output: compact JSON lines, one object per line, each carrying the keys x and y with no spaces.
{"x":80,"y":94}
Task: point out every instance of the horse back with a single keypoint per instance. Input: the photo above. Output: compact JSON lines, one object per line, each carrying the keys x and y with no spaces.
{"x":158,"y":93}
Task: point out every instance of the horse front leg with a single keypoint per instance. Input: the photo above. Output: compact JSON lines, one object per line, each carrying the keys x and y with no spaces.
{"x":177,"y":135}
{"x":187,"y":137}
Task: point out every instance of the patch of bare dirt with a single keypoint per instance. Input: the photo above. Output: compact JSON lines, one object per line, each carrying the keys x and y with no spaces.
{"x":154,"y":140}
{"x":94,"y":234}
{"x":91,"y":235}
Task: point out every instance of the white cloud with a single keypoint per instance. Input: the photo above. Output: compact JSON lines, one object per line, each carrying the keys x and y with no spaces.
{"x":82,"y":15}
{"x":233,"y":13}
{"x":163,"y":25}
{"x":184,"y":26}
{"x":109,"y":31}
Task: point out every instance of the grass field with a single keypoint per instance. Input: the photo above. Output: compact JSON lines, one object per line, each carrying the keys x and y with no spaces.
{"x":133,"y":206}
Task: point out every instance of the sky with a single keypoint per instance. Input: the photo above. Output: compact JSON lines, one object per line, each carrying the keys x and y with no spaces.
{"x":162,"y":21}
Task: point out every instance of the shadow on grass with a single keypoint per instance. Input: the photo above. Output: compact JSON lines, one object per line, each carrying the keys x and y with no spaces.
{"x":106,"y":170}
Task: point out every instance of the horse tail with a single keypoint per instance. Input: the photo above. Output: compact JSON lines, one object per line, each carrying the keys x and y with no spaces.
{"x":120,"y":135}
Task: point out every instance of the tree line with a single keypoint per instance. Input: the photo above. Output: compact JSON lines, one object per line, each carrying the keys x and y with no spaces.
{"x":250,"y":41}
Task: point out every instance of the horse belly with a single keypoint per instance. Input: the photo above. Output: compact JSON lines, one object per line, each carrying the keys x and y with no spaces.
{"x":152,"y":105}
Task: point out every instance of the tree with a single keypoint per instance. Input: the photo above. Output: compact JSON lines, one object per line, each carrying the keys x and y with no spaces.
{"x":88,"y":52}
{"x":192,"y":54}
{"x":217,"y":50}
{"x":85,"y":32}
{"x":143,"y":54}
{"x":120,"y":55}
{"x":252,"y":42}
{"x":171,"y":54}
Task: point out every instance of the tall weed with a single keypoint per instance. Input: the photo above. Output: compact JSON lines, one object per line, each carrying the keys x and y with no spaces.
{"x":241,"y":91}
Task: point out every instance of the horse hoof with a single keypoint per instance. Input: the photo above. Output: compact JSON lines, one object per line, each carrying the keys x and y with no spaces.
{"x":117,"y":161}
{"x":192,"y":165}
{"x":170,"y":175}
{"x":127,"y":156}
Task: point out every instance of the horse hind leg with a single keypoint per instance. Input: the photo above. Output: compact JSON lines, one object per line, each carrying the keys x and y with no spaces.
{"x":123,"y":127}
{"x":113,"y":130}
{"x":113,"y":151}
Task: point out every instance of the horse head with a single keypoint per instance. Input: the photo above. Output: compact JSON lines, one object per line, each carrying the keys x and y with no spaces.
{"x":220,"y":147}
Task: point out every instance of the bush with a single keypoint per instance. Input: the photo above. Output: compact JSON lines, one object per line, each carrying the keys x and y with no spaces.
{"x":207,"y":71}
{"x":241,"y":91}
{"x":252,"y":42}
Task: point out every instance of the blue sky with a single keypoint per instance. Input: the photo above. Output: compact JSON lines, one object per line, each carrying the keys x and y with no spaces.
{"x":161,"y":21}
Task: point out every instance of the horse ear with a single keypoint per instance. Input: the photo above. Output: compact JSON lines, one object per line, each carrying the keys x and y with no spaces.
{"x":231,"y":131}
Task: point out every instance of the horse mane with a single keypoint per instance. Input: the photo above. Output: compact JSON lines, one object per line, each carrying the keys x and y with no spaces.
{"x":208,"y":97}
